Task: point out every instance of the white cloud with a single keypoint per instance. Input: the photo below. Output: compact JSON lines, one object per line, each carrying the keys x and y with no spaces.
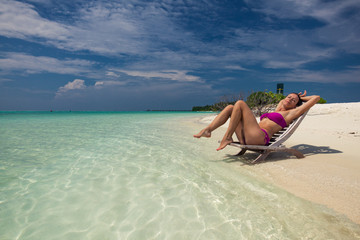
{"x":340,"y":18}
{"x":327,"y":11}
{"x":348,"y":76}
{"x":283,"y":64}
{"x":239,"y":68}
{"x":100,"y":84}
{"x":277,"y":49}
{"x":175,"y":75}
{"x":151,"y":30}
{"x":77,"y":84}
{"x":105,"y":28}
{"x":20,"y":20}
{"x":37,"y":64}
{"x":112,"y":74}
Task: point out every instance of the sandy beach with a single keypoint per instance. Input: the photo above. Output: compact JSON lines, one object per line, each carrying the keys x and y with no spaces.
{"x":329,"y":174}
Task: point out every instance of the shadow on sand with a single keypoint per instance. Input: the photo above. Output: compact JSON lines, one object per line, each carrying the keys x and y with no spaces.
{"x":307,"y":150}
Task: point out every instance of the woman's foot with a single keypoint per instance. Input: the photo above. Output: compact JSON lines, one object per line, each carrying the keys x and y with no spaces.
{"x":203,"y":133}
{"x":224,"y":143}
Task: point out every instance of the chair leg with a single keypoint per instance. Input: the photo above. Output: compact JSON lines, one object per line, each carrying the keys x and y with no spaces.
{"x":261,"y":157}
{"x":241,"y":152}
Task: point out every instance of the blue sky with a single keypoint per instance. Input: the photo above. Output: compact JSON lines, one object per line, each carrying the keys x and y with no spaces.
{"x":139,"y":55}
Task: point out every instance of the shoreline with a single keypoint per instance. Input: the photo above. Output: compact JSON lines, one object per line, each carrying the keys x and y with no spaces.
{"x":329,"y":175}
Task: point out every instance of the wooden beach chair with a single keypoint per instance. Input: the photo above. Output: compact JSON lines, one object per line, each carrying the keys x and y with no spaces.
{"x":275,"y":144}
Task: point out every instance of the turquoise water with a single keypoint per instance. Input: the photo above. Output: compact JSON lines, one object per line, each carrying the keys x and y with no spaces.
{"x":139,"y":176}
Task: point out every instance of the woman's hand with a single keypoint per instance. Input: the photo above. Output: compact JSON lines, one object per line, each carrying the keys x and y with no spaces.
{"x":301,"y":95}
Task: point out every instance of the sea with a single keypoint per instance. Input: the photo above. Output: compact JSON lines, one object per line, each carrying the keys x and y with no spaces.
{"x":140,"y":175}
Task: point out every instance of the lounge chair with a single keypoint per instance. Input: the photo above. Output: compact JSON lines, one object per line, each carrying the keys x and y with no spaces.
{"x":275,"y":144}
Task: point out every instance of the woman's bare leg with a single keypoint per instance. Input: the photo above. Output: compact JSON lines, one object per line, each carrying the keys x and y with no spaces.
{"x":240,"y":133}
{"x":220,"y":119}
{"x":243,"y":121}
{"x":234,"y":123}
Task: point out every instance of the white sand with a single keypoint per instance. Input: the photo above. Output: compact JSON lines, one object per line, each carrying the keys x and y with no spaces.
{"x":329,"y":137}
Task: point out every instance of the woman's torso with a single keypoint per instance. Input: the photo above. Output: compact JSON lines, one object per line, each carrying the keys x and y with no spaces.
{"x":270,"y":126}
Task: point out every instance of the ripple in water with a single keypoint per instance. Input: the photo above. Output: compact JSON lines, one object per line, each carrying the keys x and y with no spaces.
{"x":136,"y":176}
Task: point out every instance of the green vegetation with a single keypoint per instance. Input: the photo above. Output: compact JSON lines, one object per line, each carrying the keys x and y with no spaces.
{"x":262,"y":102}
{"x":220,"y":105}
{"x":255,"y":100}
{"x":207,"y":108}
{"x":322,"y":101}
{"x":259,"y":102}
{"x":259,"y":99}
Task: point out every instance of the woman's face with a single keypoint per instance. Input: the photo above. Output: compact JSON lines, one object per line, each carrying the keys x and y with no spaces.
{"x":291,"y":100}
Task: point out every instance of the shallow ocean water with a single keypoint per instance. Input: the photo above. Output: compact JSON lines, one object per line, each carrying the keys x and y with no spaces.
{"x":139,"y":175}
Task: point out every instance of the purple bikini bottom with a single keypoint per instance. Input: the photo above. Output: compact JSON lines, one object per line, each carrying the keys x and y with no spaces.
{"x":266,"y":139}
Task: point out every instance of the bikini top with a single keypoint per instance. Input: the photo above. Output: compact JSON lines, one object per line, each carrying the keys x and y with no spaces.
{"x":275,"y":117}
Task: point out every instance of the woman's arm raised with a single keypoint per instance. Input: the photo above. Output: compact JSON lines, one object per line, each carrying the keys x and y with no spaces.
{"x":309,"y":101}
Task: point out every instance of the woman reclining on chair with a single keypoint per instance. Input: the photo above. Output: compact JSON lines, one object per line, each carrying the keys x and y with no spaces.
{"x":244,"y":124}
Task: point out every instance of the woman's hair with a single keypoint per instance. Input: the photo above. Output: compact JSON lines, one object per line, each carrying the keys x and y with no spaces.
{"x":300,"y":102}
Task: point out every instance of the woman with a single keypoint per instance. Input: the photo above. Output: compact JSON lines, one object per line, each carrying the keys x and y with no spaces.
{"x":244,"y":124}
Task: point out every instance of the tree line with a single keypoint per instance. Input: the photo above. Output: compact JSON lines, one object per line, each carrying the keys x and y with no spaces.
{"x":260,"y":102}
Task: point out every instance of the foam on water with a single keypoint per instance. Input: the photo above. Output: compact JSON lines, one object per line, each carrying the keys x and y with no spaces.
{"x":138,"y":176}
